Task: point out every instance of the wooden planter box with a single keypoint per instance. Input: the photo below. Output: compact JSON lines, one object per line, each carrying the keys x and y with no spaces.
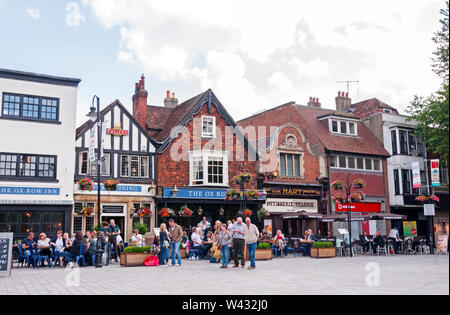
{"x":182,"y":253}
{"x":323,"y":252}
{"x":133,"y":259}
{"x":261,"y":254}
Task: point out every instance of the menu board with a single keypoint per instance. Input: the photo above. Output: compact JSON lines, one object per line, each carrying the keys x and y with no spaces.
{"x":6,"y":242}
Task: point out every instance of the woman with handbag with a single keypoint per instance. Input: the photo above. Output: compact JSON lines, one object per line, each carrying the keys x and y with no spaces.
{"x":164,"y":245}
{"x":223,"y":244}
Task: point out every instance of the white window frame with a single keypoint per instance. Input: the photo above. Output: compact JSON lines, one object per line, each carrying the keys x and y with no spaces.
{"x":212,"y":134}
{"x":81,"y":161}
{"x":205,"y":155}
{"x":139,"y":160}
{"x":107,"y":169}
{"x":347,"y":125}
{"x":338,"y":156}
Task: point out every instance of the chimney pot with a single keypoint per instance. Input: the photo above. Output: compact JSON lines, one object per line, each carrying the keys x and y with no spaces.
{"x":168,"y":94}
{"x":173,"y":95}
{"x":346,"y":94}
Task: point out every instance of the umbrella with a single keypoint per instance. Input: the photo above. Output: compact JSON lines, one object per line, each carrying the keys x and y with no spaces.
{"x":303,"y":215}
{"x":387,"y":216}
{"x":343,"y":217}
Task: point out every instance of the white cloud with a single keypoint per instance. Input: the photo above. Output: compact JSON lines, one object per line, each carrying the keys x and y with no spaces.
{"x":74,"y":16}
{"x":257,"y":54}
{"x":34,"y":13}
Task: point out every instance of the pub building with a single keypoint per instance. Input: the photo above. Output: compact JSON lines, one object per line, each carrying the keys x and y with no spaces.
{"x":130,"y":159}
{"x":198,"y":159}
{"x":37,"y":127}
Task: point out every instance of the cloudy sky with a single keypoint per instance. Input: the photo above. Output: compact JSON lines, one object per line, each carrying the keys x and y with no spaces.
{"x":254,"y":54}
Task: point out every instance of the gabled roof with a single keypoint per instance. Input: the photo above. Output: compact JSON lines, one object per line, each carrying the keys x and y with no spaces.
{"x":41,"y":78}
{"x":316,"y":131}
{"x":371,"y":106}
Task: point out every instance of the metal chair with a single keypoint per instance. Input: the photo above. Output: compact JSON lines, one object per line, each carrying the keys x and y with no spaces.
{"x":390,"y":247}
{"x":22,"y":258}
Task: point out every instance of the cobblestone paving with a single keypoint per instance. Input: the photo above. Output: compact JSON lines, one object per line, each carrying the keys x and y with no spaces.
{"x":398,"y":275}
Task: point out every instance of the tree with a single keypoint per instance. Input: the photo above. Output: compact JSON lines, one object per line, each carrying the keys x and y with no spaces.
{"x":432,"y":112}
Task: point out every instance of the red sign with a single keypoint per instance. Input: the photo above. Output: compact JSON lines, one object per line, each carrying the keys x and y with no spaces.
{"x":117,"y":132}
{"x":359,"y":207}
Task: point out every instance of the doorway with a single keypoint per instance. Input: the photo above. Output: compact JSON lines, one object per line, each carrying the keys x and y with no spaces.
{"x":120,"y":221}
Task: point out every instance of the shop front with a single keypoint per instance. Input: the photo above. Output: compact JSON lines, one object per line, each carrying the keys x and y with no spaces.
{"x":204,"y":202}
{"x":122,"y":205}
{"x":285,"y":201}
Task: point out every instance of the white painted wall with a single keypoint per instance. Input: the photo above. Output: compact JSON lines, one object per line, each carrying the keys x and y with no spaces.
{"x":40,"y":138}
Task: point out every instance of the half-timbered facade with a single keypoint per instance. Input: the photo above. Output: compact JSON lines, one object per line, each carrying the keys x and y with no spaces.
{"x":129,"y":158}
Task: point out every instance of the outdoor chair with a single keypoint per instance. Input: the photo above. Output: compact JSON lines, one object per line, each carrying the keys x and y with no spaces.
{"x":39,"y":258}
{"x":382,"y":250}
{"x":22,"y":258}
{"x":275,"y":250}
{"x":194,"y":252}
{"x":289,"y":248}
{"x":390,"y":247}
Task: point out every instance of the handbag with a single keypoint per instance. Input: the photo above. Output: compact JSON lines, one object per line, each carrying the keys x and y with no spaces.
{"x":219,"y":247}
{"x":166,"y":243}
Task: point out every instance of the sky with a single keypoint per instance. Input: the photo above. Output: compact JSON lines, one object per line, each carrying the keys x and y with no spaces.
{"x":254,"y":54}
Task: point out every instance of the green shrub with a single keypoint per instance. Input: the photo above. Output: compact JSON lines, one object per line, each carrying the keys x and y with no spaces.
{"x":134,"y":249}
{"x":263,"y":246}
{"x":322,"y":245}
{"x":142,"y":228}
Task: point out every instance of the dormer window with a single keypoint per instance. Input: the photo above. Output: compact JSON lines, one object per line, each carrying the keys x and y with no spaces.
{"x":208,"y":127}
{"x":343,"y":127}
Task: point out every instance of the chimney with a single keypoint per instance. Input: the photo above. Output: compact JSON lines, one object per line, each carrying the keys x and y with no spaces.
{"x":170,"y":101}
{"x":343,"y":101}
{"x":314,"y":102}
{"x":140,"y":103}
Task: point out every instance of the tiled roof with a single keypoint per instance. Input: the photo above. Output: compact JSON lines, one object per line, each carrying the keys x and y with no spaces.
{"x":164,"y":119}
{"x":365,"y":108}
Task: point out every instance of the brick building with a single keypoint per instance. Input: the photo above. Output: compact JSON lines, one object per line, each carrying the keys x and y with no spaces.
{"x":331,"y":144}
{"x":199,"y":154}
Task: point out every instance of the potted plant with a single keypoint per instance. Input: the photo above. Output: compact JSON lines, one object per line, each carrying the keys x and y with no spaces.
{"x":87,"y":211}
{"x":358,"y":196}
{"x":242,"y":178}
{"x":252,"y":195}
{"x":144,"y":212}
{"x":185,"y":212}
{"x":166,"y":212}
{"x":85,"y":184}
{"x":359,"y":183}
{"x":233,"y":195}
{"x":111,"y":184}
{"x":423,"y":198}
{"x":133,"y":256}
{"x":339,"y":198}
{"x":263,"y":213}
{"x":141,"y":227}
{"x":323,"y":250}
{"x":263,"y":252}
{"x":337,"y":185}
{"x":246,"y":213}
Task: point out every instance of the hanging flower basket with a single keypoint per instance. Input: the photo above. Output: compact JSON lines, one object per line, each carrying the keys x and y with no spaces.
{"x":144,"y":212}
{"x":247,"y":213}
{"x":86,"y":211}
{"x":339,"y":198}
{"x":242,"y":178}
{"x":337,"y":185}
{"x":359,"y":183}
{"x":358,"y":197}
{"x":166,"y":212}
{"x":252,"y":195}
{"x":233,"y":195}
{"x":185,"y":212}
{"x":423,"y":199}
{"x":85,"y":184}
{"x":111,"y":184}
{"x":263,"y":213}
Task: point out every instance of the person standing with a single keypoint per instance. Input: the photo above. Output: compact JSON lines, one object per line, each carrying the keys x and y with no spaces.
{"x":394,"y":236}
{"x":164,"y":244}
{"x":238,"y":230}
{"x":175,"y":235}
{"x":251,"y":239}
{"x":224,"y":240}
{"x":112,"y":233}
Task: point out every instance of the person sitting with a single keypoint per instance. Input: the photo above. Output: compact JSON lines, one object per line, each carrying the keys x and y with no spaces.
{"x":310,"y":236}
{"x":28,"y":245}
{"x":394,"y":236}
{"x":197,"y":242}
{"x":279,"y":241}
{"x":137,"y":239}
{"x":75,"y":250}
{"x":60,"y":243}
{"x":378,"y":241}
{"x":44,"y":242}
{"x":364,"y":242}
{"x":208,"y":242}
{"x":184,"y":240}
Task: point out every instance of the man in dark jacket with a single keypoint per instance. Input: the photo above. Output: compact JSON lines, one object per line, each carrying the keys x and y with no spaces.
{"x":378,"y":241}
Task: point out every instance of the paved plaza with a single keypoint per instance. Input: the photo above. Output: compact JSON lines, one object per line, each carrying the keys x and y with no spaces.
{"x":397,"y":275}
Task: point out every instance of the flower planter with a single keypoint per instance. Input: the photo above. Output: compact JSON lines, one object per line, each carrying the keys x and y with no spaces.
{"x":134,"y":259}
{"x":261,"y":254}
{"x":182,"y":253}
{"x":323,"y":252}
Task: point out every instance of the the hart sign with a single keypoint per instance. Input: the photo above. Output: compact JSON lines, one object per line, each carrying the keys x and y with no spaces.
{"x":359,"y":207}
{"x":117,"y":130}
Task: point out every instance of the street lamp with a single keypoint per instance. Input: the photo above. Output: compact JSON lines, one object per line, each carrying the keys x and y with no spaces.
{"x":94,"y":116}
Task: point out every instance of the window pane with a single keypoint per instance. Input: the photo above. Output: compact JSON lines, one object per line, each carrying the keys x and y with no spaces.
{"x":334,"y":125}
{"x":144,"y":166}
{"x":403,"y":142}
{"x":343,"y":127}
{"x":134,"y":166}
{"x":377,"y":165}
{"x":215,"y":170}
{"x":351,"y":162}
{"x":197,"y":165}
{"x":360,"y":163}
{"x":208,"y":126}
{"x":297,"y":165}
{"x":368,"y":164}
{"x":342,"y":162}
{"x":352,"y":128}
{"x":77,"y":224}
{"x":289,"y":165}
{"x":283,"y":164}
{"x":333,"y":161}
{"x":124,"y":166}
{"x":394,"y":141}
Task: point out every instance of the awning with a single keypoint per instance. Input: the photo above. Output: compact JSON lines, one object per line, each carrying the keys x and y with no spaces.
{"x":344,"y":217}
{"x":303,"y":215}
{"x":387,"y":216}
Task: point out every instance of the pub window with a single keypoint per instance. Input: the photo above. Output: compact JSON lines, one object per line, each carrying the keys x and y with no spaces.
{"x":84,"y":163}
{"x":215,"y":170}
{"x":46,"y":166}
{"x":124,"y":166}
{"x":144,"y":167}
{"x":77,"y":224}
{"x":396,"y":182}
{"x":27,"y":166}
{"x":148,"y":223}
{"x":394,"y":142}
{"x":208,"y":168}
{"x":77,"y":207}
{"x":134,"y":166}
{"x":8,"y":164}
{"x":290,"y":165}
{"x":137,"y":206}
{"x":89,"y":224}
{"x":136,"y":219}
{"x":104,"y":168}
{"x":30,"y":107}
{"x":198,"y":170}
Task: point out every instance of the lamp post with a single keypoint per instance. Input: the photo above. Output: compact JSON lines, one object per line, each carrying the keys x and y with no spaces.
{"x":94,"y":115}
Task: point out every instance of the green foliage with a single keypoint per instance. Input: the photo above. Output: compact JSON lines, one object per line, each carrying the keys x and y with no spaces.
{"x":134,"y":249}
{"x":322,"y":245}
{"x":432,"y":112}
{"x":142,"y":228}
{"x":263,"y":246}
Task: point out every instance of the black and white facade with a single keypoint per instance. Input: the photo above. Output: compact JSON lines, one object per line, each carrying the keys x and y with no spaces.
{"x":37,"y":127}
{"x":130,"y":157}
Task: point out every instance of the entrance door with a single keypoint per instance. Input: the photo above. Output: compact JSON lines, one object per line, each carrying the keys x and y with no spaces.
{"x":120,"y":221}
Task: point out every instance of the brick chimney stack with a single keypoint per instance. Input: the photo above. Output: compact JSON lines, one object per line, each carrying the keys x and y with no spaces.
{"x":343,"y":101}
{"x":314,"y":102}
{"x":140,"y":103}
{"x":170,"y":101}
